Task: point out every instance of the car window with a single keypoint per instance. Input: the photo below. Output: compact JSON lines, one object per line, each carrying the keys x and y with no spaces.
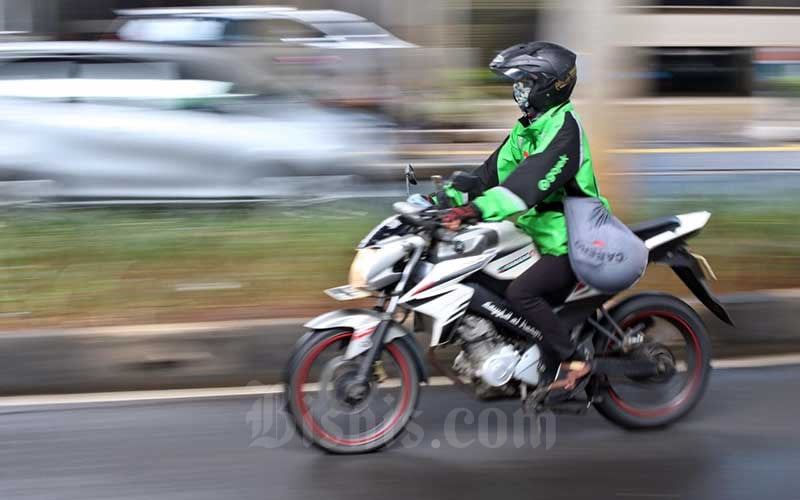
{"x":128,"y":70}
{"x":38,"y":69}
{"x":351,"y":29}
{"x":174,"y":29}
{"x":267,"y":30}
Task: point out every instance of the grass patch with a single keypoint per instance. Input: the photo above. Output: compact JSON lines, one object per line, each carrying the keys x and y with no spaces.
{"x":106,"y":266}
{"x":111,"y":265}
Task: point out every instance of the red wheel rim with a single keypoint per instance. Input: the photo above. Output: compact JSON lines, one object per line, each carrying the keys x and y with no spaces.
{"x":381,"y":431}
{"x":687,"y":391}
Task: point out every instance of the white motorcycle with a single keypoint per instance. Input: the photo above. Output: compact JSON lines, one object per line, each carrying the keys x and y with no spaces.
{"x":353,"y":380}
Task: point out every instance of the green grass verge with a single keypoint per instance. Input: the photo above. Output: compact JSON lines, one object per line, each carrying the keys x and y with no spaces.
{"x":152,"y":265}
{"x":101,"y":266}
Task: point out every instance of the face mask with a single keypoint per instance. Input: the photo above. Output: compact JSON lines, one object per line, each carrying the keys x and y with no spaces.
{"x":522,"y":91}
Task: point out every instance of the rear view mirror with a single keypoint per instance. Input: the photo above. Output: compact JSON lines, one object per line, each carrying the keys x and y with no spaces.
{"x":411,"y":178}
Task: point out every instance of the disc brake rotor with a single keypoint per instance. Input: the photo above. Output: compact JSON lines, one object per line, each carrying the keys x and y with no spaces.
{"x":335,"y":382}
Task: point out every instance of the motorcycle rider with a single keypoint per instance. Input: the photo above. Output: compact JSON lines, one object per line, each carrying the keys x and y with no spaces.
{"x":544,"y":158}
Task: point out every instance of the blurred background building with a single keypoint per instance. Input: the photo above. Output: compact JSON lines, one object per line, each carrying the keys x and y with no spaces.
{"x":682,"y":46}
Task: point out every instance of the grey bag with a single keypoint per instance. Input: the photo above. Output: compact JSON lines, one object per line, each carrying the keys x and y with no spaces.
{"x":604,"y":253}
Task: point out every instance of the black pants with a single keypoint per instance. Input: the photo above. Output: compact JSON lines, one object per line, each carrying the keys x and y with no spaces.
{"x":534,"y":294}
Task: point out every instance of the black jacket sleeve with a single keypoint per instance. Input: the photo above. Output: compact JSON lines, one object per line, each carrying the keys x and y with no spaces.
{"x":543,"y":173}
{"x":487,"y":173}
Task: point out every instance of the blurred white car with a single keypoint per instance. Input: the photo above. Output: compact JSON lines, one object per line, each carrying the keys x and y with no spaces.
{"x":123,"y":121}
{"x":329,"y":29}
{"x":339,"y":57}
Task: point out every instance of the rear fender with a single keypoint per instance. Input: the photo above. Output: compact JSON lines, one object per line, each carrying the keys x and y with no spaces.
{"x":688,"y":269}
{"x":362,"y":322}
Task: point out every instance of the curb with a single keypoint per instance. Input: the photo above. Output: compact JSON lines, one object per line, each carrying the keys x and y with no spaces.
{"x":236,"y":353}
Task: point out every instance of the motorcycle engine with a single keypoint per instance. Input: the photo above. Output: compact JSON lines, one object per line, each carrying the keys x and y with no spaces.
{"x":485,"y":354}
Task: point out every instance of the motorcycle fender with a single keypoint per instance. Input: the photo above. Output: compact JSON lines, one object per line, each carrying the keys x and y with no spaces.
{"x":688,"y":269}
{"x":363,"y":322}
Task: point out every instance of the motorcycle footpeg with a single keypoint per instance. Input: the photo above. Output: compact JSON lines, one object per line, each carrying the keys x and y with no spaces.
{"x":533,"y":403}
{"x":570,"y":407}
{"x":544,"y":399}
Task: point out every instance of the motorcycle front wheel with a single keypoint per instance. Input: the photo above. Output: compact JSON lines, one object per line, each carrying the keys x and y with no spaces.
{"x":327,"y":413}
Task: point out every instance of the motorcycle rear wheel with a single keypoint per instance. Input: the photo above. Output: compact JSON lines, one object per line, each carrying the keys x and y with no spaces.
{"x":690,"y":381}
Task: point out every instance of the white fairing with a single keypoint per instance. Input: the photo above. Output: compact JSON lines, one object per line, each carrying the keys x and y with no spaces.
{"x":523,"y":253}
{"x":512,"y":265}
{"x":689,"y":223}
{"x":446,"y":275}
{"x":509,"y":236}
{"x":446,"y":309}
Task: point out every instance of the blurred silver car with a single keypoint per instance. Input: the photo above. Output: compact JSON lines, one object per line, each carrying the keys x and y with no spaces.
{"x":339,"y":57}
{"x":112,"y":120}
{"x":329,"y":29}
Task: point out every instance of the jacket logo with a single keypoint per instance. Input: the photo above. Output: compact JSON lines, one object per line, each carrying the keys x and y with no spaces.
{"x":550,"y":178}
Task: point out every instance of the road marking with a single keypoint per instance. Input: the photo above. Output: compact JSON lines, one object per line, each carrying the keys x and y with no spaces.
{"x":450,"y":131}
{"x":629,"y":151}
{"x":764,"y":171}
{"x":463,"y":152}
{"x":707,"y":149}
{"x":757,"y":361}
{"x":265,"y":390}
{"x":167,"y":394}
{"x":159,"y":329}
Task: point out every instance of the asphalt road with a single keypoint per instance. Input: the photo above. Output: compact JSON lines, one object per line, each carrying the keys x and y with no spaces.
{"x":741,"y":442}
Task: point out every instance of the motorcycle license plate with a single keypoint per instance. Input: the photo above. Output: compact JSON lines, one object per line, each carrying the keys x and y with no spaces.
{"x":346,"y":292}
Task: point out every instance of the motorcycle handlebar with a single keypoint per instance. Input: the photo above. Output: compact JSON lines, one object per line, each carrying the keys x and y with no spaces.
{"x":437,"y":231}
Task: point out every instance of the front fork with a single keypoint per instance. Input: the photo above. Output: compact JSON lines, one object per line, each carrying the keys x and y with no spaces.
{"x":365,"y":367}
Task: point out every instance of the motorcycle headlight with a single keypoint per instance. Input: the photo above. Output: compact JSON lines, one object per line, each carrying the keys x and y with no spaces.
{"x":373,"y":267}
{"x":361,"y":266}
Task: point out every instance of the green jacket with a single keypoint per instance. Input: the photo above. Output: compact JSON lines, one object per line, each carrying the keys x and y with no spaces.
{"x":538,"y":164}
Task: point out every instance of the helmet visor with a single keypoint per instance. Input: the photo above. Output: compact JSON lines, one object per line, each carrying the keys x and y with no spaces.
{"x":514,"y":74}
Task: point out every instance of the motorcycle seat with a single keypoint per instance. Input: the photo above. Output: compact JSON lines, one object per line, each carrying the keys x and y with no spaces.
{"x":650,"y":228}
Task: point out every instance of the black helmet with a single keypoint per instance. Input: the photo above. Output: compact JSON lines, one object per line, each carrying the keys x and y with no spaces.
{"x":544,"y":74}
